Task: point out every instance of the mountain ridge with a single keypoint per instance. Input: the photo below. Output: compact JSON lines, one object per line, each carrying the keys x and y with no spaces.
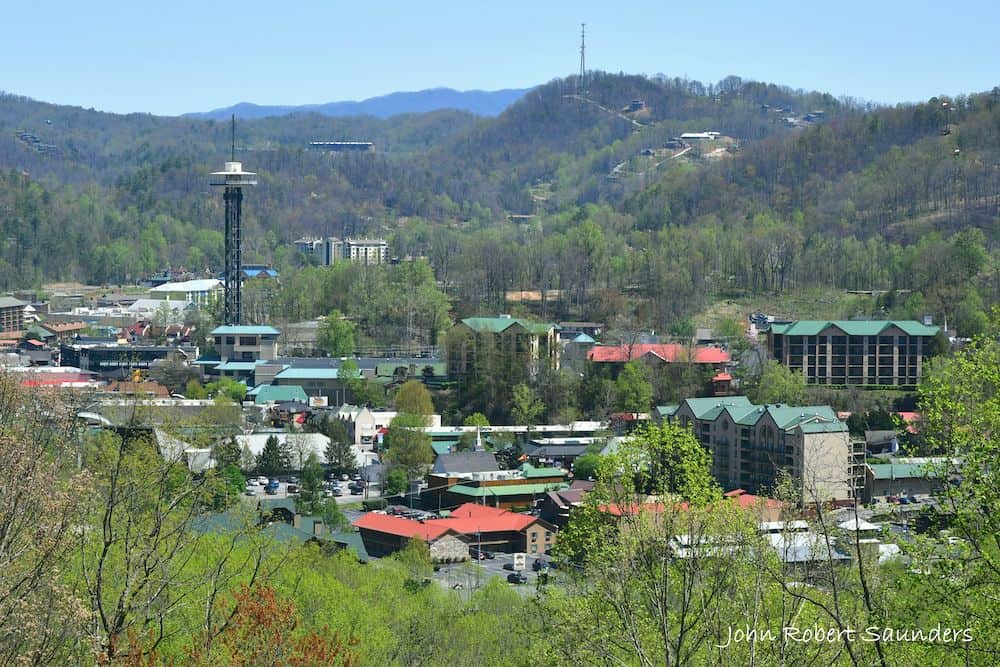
{"x":480,"y":102}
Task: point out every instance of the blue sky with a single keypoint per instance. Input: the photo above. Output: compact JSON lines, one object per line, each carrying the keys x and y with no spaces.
{"x":177,"y":56}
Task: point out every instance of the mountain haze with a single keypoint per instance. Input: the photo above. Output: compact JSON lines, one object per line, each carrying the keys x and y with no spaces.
{"x":478,"y":102}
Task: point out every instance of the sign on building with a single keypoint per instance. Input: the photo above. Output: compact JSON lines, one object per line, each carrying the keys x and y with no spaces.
{"x":519,"y":562}
{"x":318,"y":401}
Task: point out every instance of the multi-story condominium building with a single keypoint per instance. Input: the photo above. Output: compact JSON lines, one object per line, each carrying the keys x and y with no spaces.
{"x":332,"y":250}
{"x":11,"y":314}
{"x":751,"y":444}
{"x":518,"y":345}
{"x":853,"y":352}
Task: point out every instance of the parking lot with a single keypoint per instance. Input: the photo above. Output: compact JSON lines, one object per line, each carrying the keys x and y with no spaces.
{"x":371,"y":491}
{"x":472,"y":575}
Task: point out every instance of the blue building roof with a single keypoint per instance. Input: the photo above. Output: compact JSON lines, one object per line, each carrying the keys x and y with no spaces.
{"x":243,"y":329}
{"x":307,"y":374}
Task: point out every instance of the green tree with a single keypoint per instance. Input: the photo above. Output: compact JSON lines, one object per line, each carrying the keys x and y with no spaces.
{"x":406,"y":447}
{"x":362,"y":391}
{"x":633,"y":392}
{"x":227,"y":452}
{"x":336,"y":335}
{"x":585,"y":467}
{"x":333,"y":516}
{"x":476,"y":419}
{"x":310,"y":486}
{"x":194,"y":390}
{"x":270,"y":461}
{"x":778,"y":384}
{"x":526,"y":406}
{"x":340,"y":456}
{"x":396,"y":482}
{"x":413,"y":398}
{"x":227,"y":388}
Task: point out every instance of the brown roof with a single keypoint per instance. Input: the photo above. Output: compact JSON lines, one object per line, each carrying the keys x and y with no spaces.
{"x":63,"y":327}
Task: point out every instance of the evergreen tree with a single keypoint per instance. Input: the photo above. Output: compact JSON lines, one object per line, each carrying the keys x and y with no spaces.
{"x":269,"y":461}
{"x":227,"y":453}
{"x":310,"y":486}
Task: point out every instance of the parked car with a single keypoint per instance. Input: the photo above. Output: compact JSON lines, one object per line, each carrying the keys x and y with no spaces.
{"x":271,"y":488}
{"x":356,"y":477}
{"x":508,"y":566}
{"x":292,"y":488}
{"x":903,"y":500}
{"x":517,"y":578}
{"x":345,"y":477}
{"x":539,"y":565}
{"x":479,"y":553}
{"x":337,"y":491}
{"x":249,"y":492}
{"x":356,"y":490}
{"x":293,"y":480}
{"x":252,"y":481}
{"x":263,"y":480}
{"x":891,"y":499}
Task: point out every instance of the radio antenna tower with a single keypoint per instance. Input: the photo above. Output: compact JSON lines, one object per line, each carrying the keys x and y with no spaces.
{"x":581,"y":81}
{"x":233,"y":178}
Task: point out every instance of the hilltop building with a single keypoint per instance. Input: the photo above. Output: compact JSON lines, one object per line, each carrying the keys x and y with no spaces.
{"x":332,"y":250}
{"x":882,"y":352}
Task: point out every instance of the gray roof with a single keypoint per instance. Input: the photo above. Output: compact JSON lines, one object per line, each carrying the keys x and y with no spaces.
{"x":556,"y":450}
{"x":460,"y":462}
{"x":11,"y":302}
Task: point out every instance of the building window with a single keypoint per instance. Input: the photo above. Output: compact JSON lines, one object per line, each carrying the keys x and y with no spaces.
{"x":218,"y":340}
{"x":248,"y":340}
{"x":534,"y":548}
{"x":548,"y":535}
{"x":230,"y":340}
{"x":534,"y":537}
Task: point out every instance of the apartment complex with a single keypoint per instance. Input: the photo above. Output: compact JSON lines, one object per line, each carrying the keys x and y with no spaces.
{"x":517,"y":342}
{"x":359,"y":251}
{"x":751,"y":444}
{"x":853,"y":352}
{"x":11,"y":314}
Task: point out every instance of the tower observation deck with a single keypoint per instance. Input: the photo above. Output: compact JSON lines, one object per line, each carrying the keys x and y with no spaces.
{"x":233,"y":178}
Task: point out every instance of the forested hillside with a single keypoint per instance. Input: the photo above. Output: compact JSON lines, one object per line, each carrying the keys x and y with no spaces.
{"x":619,"y":225}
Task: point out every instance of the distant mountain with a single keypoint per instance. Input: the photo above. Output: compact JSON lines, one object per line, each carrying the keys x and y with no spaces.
{"x":479,"y":102}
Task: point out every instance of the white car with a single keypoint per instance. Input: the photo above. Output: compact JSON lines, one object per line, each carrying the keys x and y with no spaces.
{"x":263,"y":480}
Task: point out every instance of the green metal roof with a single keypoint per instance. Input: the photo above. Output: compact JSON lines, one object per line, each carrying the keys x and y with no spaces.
{"x":307,"y":374}
{"x":273,"y":393}
{"x":892,"y":471}
{"x":824,"y":427}
{"x":531,"y":472}
{"x":499,"y":324}
{"x":509,"y":490}
{"x":442,"y":446}
{"x":245,"y":330}
{"x":666,"y":410}
{"x":853,"y":327}
{"x":704,"y":406}
{"x":787,"y":416}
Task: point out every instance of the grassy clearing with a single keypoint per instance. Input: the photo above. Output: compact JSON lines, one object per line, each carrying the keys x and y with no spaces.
{"x":811,"y":304}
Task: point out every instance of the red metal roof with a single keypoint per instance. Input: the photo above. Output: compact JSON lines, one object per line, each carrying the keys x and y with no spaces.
{"x":467,"y":519}
{"x":669,"y":352}
{"x":722,"y":377}
{"x":397,"y":525}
